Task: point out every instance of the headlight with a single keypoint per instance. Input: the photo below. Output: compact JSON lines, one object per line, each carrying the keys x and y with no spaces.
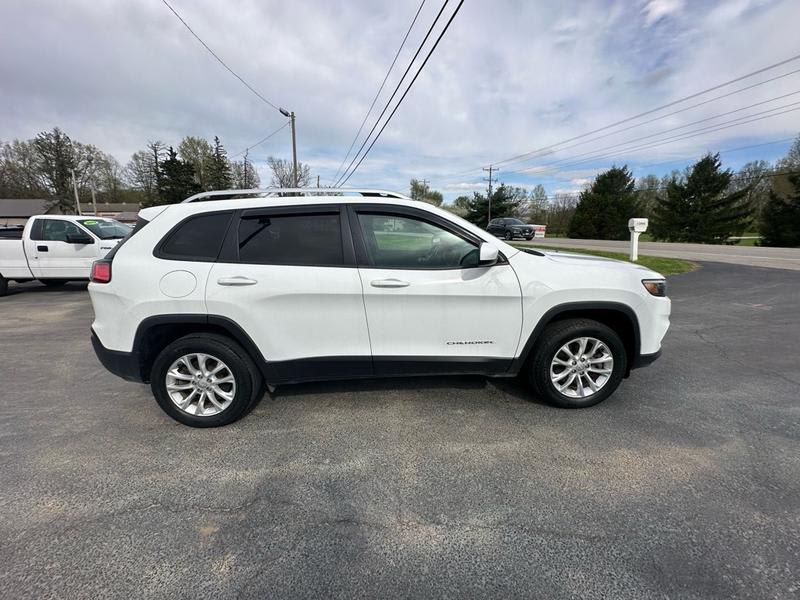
{"x":657,"y":287}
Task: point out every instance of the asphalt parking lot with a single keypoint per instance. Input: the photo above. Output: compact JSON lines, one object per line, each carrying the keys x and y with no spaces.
{"x":685,"y":484}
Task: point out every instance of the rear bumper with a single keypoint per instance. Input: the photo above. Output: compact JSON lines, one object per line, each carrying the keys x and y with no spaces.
{"x":644,"y":360}
{"x":122,"y":364}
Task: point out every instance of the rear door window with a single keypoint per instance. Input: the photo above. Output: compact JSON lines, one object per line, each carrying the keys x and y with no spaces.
{"x":292,"y":239}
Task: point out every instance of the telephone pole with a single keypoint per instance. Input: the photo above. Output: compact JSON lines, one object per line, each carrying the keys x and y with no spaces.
{"x":75,"y":189}
{"x":286,"y":113}
{"x":490,"y":169}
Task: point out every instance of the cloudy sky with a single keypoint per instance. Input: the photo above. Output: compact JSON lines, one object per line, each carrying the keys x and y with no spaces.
{"x":509,"y":77}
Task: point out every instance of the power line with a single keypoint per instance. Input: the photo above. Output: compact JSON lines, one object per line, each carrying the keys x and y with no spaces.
{"x":219,"y":60}
{"x":677,"y":138}
{"x":663,"y":106}
{"x":394,"y":93}
{"x":261,"y":141}
{"x":645,"y":113}
{"x":660,"y":133}
{"x":380,"y":89}
{"x":673,"y":113}
{"x":655,"y":144}
{"x":725,"y":151}
{"x":408,"y":89}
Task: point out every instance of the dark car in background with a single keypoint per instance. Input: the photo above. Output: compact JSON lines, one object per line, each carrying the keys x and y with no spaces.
{"x":508,"y":228}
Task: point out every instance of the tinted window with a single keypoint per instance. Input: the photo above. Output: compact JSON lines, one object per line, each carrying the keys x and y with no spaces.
{"x":55,"y":230}
{"x":36,"y":229}
{"x":198,"y":238}
{"x":408,"y":243}
{"x":311,"y":239}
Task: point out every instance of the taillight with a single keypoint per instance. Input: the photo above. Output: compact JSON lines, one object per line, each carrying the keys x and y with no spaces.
{"x":101,"y":271}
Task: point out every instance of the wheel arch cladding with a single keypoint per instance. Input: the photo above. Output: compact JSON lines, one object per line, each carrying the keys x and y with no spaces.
{"x":619,"y":317}
{"x":156,"y":333}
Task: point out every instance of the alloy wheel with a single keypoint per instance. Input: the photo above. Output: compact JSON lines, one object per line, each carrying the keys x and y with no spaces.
{"x":200,"y":384}
{"x":581,"y":367}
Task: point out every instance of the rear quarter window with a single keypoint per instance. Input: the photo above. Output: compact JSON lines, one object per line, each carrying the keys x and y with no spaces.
{"x":198,"y":238}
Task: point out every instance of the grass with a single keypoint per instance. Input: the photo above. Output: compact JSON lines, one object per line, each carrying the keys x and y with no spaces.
{"x":665,"y":266}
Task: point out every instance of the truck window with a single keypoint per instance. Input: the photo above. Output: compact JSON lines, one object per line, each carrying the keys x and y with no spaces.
{"x":56,"y":230}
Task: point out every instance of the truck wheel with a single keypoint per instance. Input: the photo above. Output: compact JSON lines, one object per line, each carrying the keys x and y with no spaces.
{"x":3,"y":286}
{"x":53,"y":283}
{"x":577,"y":363}
{"x":205,"y":380}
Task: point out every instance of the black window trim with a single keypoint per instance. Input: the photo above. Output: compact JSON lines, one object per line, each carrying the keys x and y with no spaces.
{"x":230,"y":246}
{"x":362,"y":255}
{"x":158,"y":251}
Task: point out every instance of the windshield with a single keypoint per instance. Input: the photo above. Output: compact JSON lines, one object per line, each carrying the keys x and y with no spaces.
{"x":107,"y":229}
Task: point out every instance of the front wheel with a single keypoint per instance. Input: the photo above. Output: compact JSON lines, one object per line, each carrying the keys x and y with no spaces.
{"x":509,"y":236}
{"x":205,"y":380}
{"x":3,"y":286}
{"x":577,"y":363}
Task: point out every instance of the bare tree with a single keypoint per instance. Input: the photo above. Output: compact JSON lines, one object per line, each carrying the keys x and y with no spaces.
{"x":560,"y":213}
{"x":283,"y":173}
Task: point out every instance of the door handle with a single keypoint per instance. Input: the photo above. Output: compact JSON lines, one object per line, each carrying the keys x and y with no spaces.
{"x":389,"y":283}
{"x":42,"y":249}
{"x":236,"y":281}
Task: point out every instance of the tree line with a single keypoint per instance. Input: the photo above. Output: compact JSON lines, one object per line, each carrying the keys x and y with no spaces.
{"x":44,"y":166}
{"x":704,"y":203}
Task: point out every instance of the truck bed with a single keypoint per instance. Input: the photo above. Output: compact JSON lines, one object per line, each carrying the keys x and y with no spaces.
{"x":13,"y":232}
{"x":13,"y":262}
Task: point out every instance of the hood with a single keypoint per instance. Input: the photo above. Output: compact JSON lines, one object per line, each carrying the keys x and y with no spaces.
{"x":589,"y":261}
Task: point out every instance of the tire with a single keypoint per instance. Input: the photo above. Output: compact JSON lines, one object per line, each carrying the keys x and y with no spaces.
{"x":528,"y":238}
{"x":246,"y":388}
{"x":3,"y":286}
{"x":542,"y":368}
{"x":53,"y":283}
{"x":509,"y":236}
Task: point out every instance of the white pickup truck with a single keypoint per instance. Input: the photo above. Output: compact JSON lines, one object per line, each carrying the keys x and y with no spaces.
{"x":55,"y":249}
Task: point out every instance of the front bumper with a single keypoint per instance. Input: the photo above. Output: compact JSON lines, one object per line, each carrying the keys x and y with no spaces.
{"x":122,"y":364}
{"x":645,"y":360}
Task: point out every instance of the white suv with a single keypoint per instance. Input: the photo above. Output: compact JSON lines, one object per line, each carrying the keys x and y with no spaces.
{"x":209,"y":301}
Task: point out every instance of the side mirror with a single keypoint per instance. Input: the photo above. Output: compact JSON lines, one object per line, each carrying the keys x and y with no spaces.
{"x":79,"y":238}
{"x":488,"y":255}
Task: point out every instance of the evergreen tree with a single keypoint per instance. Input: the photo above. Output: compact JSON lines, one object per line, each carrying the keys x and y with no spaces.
{"x":604,"y":209}
{"x":699,"y":209}
{"x":176,"y":180}
{"x":780,"y":218}
{"x":219,"y":176}
{"x":505,"y":203}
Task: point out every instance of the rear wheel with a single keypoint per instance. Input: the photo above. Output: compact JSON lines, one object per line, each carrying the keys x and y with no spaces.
{"x":53,"y":283}
{"x":577,"y":363}
{"x":205,"y":380}
{"x":3,"y":286}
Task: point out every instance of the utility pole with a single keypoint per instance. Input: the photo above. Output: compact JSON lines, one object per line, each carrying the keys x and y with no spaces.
{"x":75,"y":189}
{"x":286,"y":113}
{"x":490,"y":169}
{"x":94,"y":201}
{"x":317,"y":180}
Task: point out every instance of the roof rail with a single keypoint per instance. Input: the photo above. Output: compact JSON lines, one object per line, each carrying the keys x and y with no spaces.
{"x":221,"y":194}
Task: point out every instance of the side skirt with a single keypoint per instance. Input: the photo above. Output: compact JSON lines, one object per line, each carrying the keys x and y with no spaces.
{"x":364,"y":367}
